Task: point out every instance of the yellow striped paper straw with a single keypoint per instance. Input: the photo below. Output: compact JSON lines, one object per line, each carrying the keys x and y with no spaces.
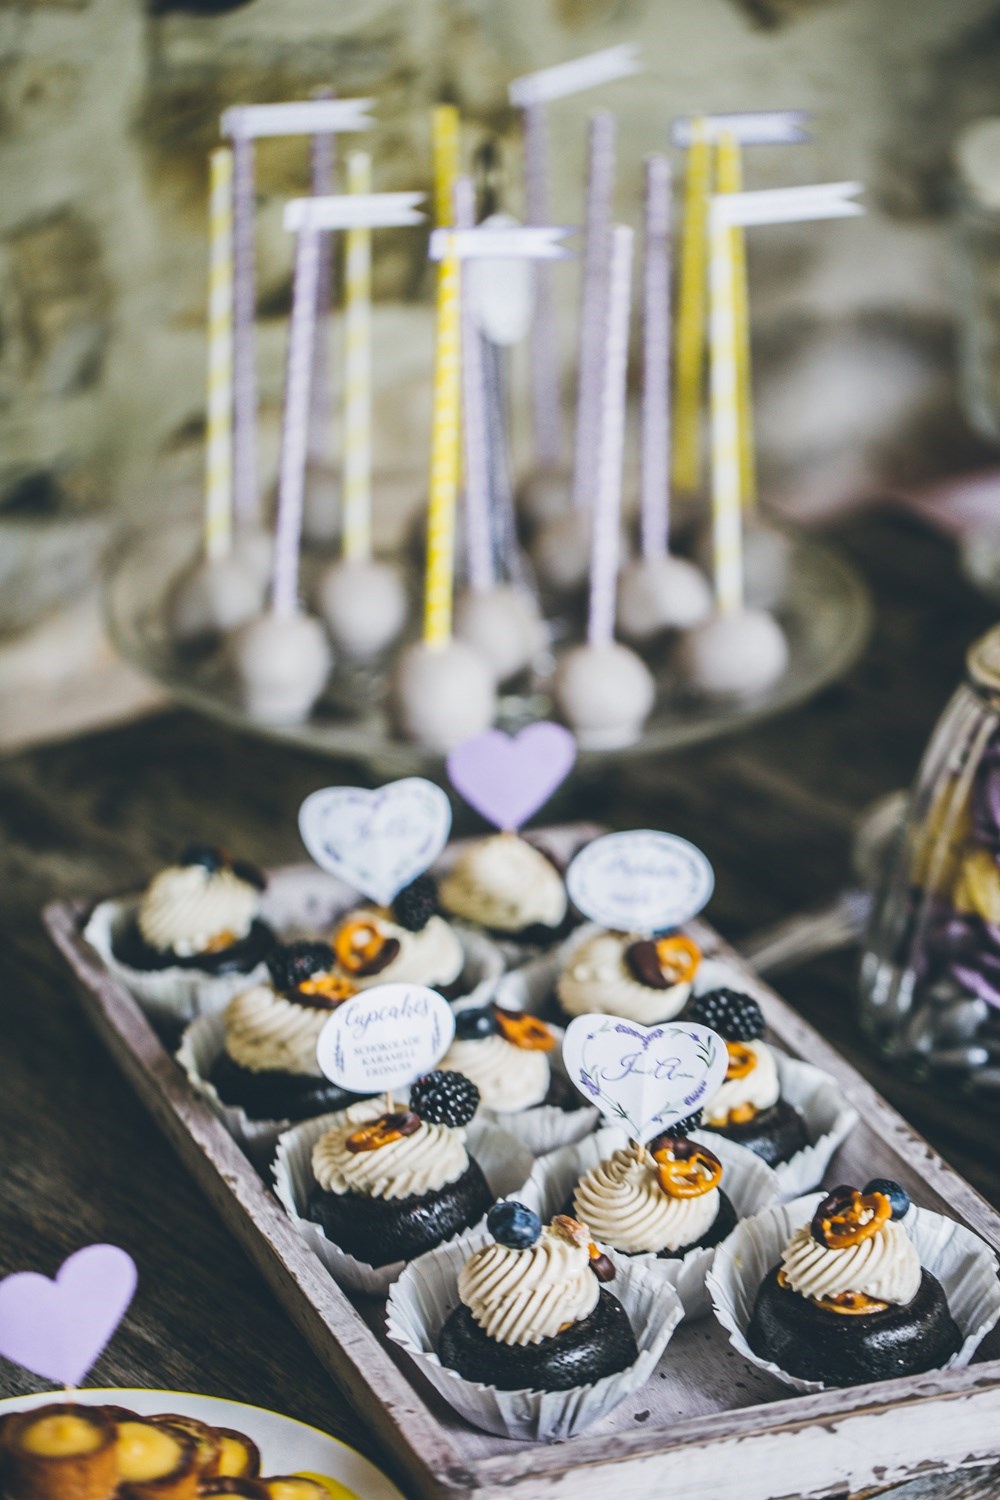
{"x":689,"y":356}
{"x":445,"y":133}
{"x":729,"y":179}
{"x":357,"y":542}
{"x":219,"y":409}
{"x":727,"y":520}
{"x":443,"y":487}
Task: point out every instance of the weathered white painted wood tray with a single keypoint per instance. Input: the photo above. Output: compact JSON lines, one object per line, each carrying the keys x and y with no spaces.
{"x":708,"y":1426}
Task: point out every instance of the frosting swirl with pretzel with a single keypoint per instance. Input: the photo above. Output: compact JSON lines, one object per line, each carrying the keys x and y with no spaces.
{"x":884,"y":1267}
{"x":625,"y":1206}
{"x":748,"y":1092}
{"x":430,"y":1158}
{"x":504,"y":883}
{"x":524,"y":1296}
{"x":432,"y":956}
{"x":508,"y":1078}
{"x":266,"y":1032}
{"x":189,"y":909}
{"x":597,"y":980}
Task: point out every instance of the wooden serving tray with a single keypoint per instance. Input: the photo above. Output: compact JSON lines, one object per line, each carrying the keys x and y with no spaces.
{"x":708,"y":1426}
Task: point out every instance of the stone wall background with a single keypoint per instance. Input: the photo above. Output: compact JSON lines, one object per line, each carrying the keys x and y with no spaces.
{"x":107,"y":111}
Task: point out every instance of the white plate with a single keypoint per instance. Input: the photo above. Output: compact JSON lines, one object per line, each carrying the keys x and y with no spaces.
{"x":286,"y":1446}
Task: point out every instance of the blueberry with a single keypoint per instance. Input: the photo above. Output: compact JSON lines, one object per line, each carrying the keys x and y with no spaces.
{"x":207,"y":855}
{"x":474,"y":1025}
{"x":513,"y":1224}
{"x":898,"y":1197}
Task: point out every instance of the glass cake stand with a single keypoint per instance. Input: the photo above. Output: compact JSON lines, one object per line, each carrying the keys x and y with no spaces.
{"x":826,"y":614}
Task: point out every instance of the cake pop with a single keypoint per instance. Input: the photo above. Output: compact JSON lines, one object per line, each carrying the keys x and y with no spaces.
{"x":442,"y":694}
{"x":661,"y":593}
{"x":212,"y":597}
{"x":504,"y":626}
{"x":282,"y":662}
{"x":605,"y":693}
{"x":363,"y":604}
{"x":737,"y":654}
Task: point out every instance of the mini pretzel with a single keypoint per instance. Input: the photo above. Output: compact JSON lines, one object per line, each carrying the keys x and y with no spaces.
{"x":679,"y":957}
{"x":383,"y":1131}
{"x":357,"y":944}
{"x":522,"y":1030}
{"x":220,"y":941}
{"x":846,"y":1217}
{"x":742,"y":1060}
{"x":326,"y":989}
{"x":686,"y":1169}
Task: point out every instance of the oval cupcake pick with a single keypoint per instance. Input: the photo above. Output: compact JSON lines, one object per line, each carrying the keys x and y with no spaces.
{"x":57,"y":1329}
{"x":507,"y":778}
{"x":643,"y":1078}
{"x":642,"y":881}
{"x":377,"y":841}
{"x":385,"y":1038}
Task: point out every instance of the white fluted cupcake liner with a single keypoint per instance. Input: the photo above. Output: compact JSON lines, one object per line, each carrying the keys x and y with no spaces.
{"x":749,"y":1184}
{"x":170,"y":997}
{"x":200,"y":1048}
{"x":505,"y":1163}
{"x":963,"y":1263}
{"x":426,"y":1293}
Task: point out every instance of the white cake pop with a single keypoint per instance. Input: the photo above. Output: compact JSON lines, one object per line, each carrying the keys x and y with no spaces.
{"x":255,"y":549}
{"x":604,"y":693}
{"x":767,"y":554}
{"x":212,"y":597}
{"x":661,"y":593}
{"x":544,"y":496}
{"x":739,"y":654}
{"x":321,"y":505}
{"x":561,"y":551}
{"x":503,"y":624}
{"x":363,"y":603}
{"x":282,"y":662}
{"x":443,"y":694}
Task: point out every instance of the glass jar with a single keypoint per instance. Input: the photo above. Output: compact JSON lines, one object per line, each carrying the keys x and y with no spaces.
{"x":930,"y":979}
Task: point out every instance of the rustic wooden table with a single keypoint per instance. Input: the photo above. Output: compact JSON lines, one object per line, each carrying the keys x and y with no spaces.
{"x":773,"y":809}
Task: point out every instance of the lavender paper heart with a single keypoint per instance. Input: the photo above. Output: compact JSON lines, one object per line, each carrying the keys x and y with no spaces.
{"x":57,"y":1329}
{"x":507,"y":778}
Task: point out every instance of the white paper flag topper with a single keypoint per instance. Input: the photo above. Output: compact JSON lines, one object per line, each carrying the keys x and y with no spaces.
{"x":385,"y":1038}
{"x":642,"y":881}
{"x":377,"y":841}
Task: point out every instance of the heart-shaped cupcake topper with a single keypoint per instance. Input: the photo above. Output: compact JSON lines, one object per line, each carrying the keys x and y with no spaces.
{"x":57,"y":1329}
{"x":507,"y":778}
{"x":385,"y":1038}
{"x":377,"y":841}
{"x":641,"y":882}
{"x":643,"y":1078}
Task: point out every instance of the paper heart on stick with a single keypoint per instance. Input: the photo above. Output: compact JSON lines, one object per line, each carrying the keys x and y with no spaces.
{"x":644,"y":1078}
{"x":57,"y":1329}
{"x":377,"y":841}
{"x":507,"y":778}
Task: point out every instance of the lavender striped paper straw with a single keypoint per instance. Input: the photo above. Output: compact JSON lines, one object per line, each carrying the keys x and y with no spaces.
{"x":321,"y":404}
{"x":655,"y":513}
{"x":546,"y":402}
{"x":474,"y":432}
{"x":600,"y":192}
{"x":246,"y":499}
{"x":295,"y":424}
{"x":606,"y":514}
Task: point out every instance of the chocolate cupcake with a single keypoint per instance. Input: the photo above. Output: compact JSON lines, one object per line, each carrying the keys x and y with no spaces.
{"x":532,"y":1313}
{"x":409,"y":943}
{"x":640,"y":979}
{"x":391,"y":1185}
{"x":510,"y":889}
{"x":506,"y":1053}
{"x":748,"y":1107}
{"x":267,"y":1066}
{"x":849,"y":1301}
{"x":201,"y":913}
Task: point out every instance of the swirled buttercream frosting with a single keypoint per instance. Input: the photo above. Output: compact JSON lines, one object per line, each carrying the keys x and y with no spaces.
{"x":597,"y":979}
{"x":188,"y":909}
{"x":524,"y":1296}
{"x":505,"y":884}
{"x":266,"y":1032}
{"x":412,"y":1165}
{"x":432,"y":956}
{"x":622,"y":1202}
{"x":508,"y":1078}
{"x":885,"y":1267}
{"x":758,"y":1089}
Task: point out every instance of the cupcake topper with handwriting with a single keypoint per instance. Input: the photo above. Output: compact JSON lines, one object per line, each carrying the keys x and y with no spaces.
{"x":644,"y":1078}
{"x":642,"y":882}
{"x":385,"y":1038}
{"x":507,"y":778}
{"x":57,"y":1329}
{"x":377,"y":841}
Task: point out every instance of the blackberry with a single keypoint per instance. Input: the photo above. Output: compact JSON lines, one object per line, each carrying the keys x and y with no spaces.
{"x":291,"y":963}
{"x":209,"y":856}
{"x":689,"y":1123}
{"x":444,"y":1098}
{"x":416,"y":903}
{"x":736,"y":1017}
{"x":474,"y":1024}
